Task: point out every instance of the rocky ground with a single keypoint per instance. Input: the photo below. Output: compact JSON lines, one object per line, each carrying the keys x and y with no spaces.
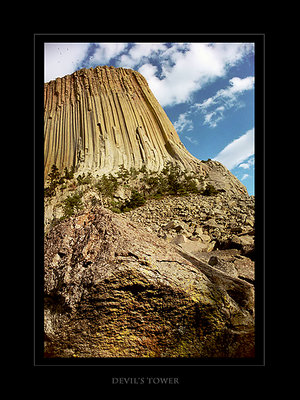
{"x":112,"y":289}
{"x":218,"y":229}
{"x":172,"y":278}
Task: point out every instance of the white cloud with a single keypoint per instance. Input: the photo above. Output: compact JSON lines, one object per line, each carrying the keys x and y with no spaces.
{"x":213,"y":118}
{"x":191,"y":140}
{"x":106,"y":51}
{"x":244,"y":166}
{"x":248,"y":164}
{"x":139,"y":52}
{"x":196,"y":67}
{"x":214,"y":107}
{"x":245,"y":176}
{"x":61,"y":59}
{"x":237,"y":151}
{"x":183,"y":123}
{"x":239,"y":85}
{"x":186,"y":67}
{"x":148,"y":71}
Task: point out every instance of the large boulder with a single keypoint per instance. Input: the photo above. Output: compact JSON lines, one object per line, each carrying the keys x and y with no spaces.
{"x":115,"y":290}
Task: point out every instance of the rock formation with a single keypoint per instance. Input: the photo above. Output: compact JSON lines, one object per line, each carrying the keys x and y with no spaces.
{"x":115,"y":290}
{"x":98,"y":119}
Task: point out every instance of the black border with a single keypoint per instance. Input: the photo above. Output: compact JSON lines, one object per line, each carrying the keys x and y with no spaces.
{"x":135,"y":367}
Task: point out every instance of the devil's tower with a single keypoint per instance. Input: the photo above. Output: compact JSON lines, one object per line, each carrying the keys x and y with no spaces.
{"x":127,"y":285}
{"x":98,"y":119}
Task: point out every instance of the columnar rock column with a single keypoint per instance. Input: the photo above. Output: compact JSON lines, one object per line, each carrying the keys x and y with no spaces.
{"x":98,"y":119}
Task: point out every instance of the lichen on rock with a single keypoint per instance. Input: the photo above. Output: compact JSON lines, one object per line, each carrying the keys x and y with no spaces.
{"x":115,"y":290}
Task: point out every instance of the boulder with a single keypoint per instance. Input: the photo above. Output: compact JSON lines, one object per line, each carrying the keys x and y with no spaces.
{"x":213,"y":260}
{"x":169,"y":225}
{"x":178,"y":226}
{"x":114,"y":290}
{"x":232,"y":263}
{"x":245,"y":268}
{"x":178,"y":239}
{"x":243,"y":242}
{"x":204,"y":238}
{"x":211,"y":223}
{"x":198,"y":231}
{"x":196,"y":247}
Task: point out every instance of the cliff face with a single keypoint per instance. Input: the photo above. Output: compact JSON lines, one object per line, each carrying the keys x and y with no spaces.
{"x":98,"y":119}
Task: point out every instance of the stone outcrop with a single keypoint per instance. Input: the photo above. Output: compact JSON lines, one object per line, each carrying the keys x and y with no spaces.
{"x":220,"y":228}
{"x":224,"y":220}
{"x":113,"y":289}
{"x":98,"y":119}
{"x":222,"y":179}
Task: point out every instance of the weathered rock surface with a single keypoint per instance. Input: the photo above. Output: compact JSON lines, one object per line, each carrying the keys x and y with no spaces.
{"x":100,"y":118}
{"x":216,"y":222}
{"x":113,"y":289}
{"x":222,"y":179}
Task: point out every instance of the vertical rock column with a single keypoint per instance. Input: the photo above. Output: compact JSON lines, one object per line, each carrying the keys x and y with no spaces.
{"x":98,"y":119}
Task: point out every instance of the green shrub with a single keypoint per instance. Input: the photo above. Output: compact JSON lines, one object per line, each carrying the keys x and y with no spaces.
{"x":107,"y":185}
{"x":189,"y":184}
{"x":115,"y":206}
{"x":136,"y":200}
{"x":133,"y":172}
{"x":173,"y":181}
{"x":123,"y":173}
{"x":84,"y":180}
{"x":54,"y":180}
{"x":152,"y":183}
{"x":54,"y":175}
{"x":210,"y":190}
{"x":69,"y":174}
{"x":143,"y":169}
{"x":72,"y":203}
{"x":50,"y":191}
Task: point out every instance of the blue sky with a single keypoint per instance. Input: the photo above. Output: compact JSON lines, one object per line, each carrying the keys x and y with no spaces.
{"x":206,"y":89}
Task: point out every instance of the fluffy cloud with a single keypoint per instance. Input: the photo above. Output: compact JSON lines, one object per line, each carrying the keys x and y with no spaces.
{"x":214,"y":107}
{"x":106,"y":51}
{"x":239,"y":85}
{"x":140,"y":52}
{"x":237,"y":151}
{"x":192,"y":66}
